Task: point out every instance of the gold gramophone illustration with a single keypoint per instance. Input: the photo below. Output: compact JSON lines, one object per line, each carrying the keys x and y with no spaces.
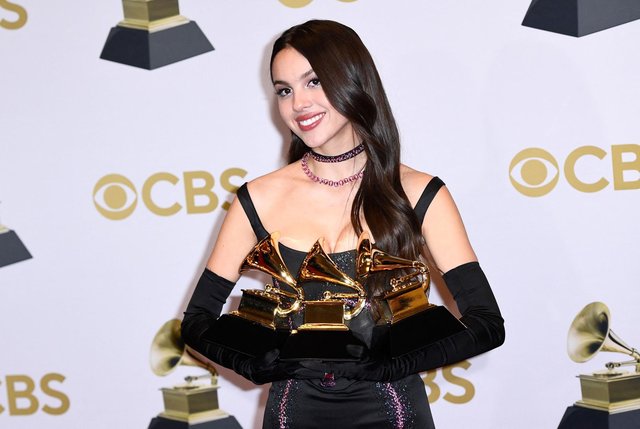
{"x":153,"y":34}
{"x":190,"y":404}
{"x":409,"y":320}
{"x":12,"y":249}
{"x":252,"y":328}
{"x":611,"y":390}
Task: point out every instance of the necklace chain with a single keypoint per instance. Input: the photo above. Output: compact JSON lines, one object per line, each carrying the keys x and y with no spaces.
{"x":337,"y":158}
{"x":323,"y":181}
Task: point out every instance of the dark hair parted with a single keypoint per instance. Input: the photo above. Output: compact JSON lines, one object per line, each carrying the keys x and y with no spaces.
{"x":353,"y":86}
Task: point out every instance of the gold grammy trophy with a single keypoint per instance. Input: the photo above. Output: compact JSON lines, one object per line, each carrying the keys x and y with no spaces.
{"x":409,"y":320}
{"x":611,"y":397}
{"x":190,"y":404}
{"x":252,"y":328}
{"x":153,"y":34}
{"x":324,"y":334}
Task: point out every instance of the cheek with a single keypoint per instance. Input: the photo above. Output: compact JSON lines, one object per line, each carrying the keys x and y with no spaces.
{"x":282,"y":109}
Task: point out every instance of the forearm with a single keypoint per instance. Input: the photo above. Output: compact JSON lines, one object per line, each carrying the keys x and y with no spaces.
{"x":204,"y":308}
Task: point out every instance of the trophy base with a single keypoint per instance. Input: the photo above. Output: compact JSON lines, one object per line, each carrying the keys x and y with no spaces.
{"x":610,"y":392}
{"x":192,"y":407}
{"x":150,"y":50}
{"x":11,"y":248}
{"x":227,"y":422}
{"x":581,"y":17}
{"x":419,"y":330}
{"x":244,"y":336}
{"x":576,"y":417}
{"x":334,"y":345}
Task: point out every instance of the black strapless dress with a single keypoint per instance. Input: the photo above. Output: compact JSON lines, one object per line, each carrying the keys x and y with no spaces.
{"x":344,"y":404}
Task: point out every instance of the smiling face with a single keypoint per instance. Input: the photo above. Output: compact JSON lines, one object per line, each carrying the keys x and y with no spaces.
{"x":304,"y":107}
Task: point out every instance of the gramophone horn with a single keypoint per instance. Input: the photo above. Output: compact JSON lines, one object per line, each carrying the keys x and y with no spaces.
{"x":265,"y":257}
{"x":168,"y":351}
{"x":318,"y":266}
{"x":370,"y":260}
{"x":590,"y":332}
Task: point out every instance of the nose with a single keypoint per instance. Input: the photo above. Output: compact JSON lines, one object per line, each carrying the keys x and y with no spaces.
{"x":301,"y":101}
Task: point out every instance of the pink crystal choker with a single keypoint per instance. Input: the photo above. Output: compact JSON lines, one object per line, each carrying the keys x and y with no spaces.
{"x":335,"y":183}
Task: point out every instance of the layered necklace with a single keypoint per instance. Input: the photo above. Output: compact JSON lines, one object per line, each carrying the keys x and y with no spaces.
{"x":332,"y":159}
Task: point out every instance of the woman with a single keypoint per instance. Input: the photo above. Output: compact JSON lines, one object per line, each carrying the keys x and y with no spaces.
{"x":344,"y":177}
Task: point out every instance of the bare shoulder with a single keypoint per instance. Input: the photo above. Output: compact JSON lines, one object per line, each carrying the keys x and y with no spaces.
{"x":413,"y":182}
{"x":275,"y":183}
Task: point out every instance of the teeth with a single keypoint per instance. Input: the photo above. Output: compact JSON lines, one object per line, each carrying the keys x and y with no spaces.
{"x":310,"y":121}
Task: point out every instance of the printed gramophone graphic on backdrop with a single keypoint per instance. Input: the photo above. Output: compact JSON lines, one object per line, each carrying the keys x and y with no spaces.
{"x":191,"y":404}
{"x":610,"y":397}
{"x":153,"y":34}
{"x":12,"y":249}
{"x":409,"y":321}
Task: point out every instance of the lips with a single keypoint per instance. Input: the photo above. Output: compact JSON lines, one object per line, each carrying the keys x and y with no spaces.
{"x":309,"y":122}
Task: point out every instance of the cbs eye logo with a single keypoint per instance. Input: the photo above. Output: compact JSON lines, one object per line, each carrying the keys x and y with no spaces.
{"x":116,"y":197}
{"x":303,"y":3}
{"x":534,"y":172}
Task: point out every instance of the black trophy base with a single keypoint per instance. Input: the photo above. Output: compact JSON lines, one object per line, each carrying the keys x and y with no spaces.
{"x":11,"y":249}
{"x":416,"y":331}
{"x":322,"y":345}
{"x":228,"y":422}
{"x":244,"y":336}
{"x":580,"y":17}
{"x":150,"y":50}
{"x":585,"y":418}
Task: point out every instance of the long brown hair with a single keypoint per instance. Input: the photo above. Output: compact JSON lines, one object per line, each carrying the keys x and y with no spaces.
{"x":353,"y":86}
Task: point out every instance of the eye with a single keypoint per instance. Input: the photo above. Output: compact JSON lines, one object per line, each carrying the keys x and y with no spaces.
{"x":534,"y":172}
{"x":313,"y":82}
{"x":115,"y":196}
{"x":283,"y":92}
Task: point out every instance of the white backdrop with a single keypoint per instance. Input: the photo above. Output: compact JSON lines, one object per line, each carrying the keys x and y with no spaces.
{"x":471,"y":88}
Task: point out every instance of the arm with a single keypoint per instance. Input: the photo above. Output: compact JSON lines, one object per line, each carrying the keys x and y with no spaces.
{"x":217,"y":281}
{"x":234,"y":241}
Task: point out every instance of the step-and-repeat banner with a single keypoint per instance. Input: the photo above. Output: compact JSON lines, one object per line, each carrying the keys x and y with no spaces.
{"x":114,"y":180}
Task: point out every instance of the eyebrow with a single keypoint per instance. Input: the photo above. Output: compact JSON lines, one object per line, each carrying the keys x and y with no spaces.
{"x":303,"y":76}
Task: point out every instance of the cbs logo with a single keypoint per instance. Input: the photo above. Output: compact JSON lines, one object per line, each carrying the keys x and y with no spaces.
{"x":116,"y":197}
{"x":19,"y":21}
{"x":21,"y":398}
{"x":534,"y":172}
{"x":303,"y":3}
{"x":435,"y":391}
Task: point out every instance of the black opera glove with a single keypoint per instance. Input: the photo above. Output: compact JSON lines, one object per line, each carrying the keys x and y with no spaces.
{"x":480,"y":313}
{"x":202,"y":312}
{"x":259,"y":369}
